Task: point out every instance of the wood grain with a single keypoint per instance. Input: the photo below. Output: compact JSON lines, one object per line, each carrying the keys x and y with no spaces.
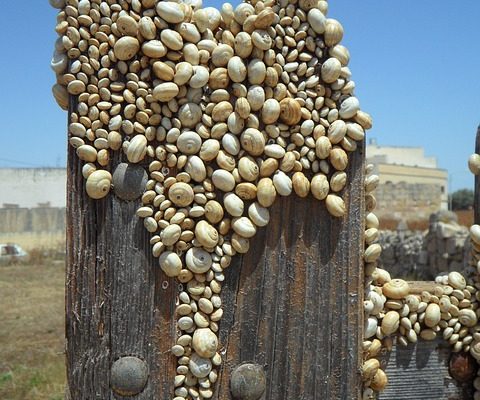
{"x":420,"y":372}
{"x":293,"y":304}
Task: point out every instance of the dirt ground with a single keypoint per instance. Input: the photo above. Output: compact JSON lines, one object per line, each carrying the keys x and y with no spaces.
{"x":32,"y":364}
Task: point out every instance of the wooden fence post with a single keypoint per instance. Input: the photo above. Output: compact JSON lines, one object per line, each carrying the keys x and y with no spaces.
{"x":292,"y":304}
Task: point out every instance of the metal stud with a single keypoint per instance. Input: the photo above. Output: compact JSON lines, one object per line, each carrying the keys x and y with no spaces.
{"x":129,"y":181}
{"x":129,"y":376}
{"x":248,"y":382}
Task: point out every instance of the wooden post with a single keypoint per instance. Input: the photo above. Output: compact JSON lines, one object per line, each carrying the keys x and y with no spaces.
{"x":293,"y":304}
{"x":476,"y":200}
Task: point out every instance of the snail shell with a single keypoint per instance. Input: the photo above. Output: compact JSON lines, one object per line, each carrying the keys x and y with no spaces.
{"x":341,"y":53}
{"x":221,"y":55}
{"x":338,"y":158}
{"x":378,"y":302}
{"x":317,"y":20}
{"x":266,"y":192}
{"x":432,"y":315}
{"x":213,"y":211}
{"x":396,"y":289}
{"x":456,"y":280}
{"x":209,"y":149}
{"x":259,"y":215}
{"x":200,"y":77}
{"x":256,"y":99}
{"x":282,"y":183}
{"x":189,"y":142}
{"x":319,"y":186}
{"x":290,"y":111}
{"x":270,"y":111}
{"x":87,"y":153}
{"x":380,"y":381}
{"x":231,"y":144}
{"x":337,"y":131}
{"x":333,"y":32}
{"x":248,"y":169}
{"x":338,"y":181}
{"x":244,"y":227}
{"x":196,"y":168}
{"x":147,"y":28}
{"x":223,"y":180}
{"x":190,"y":114}
{"x":301,"y":184}
{"x":475,"y":233}
{"x":165,"y":91}
{"x":475,"y":350}
{"x":198,"y":260}
{"x":137,"y":149}
{"x":233,"y":204}
{"x":61,"y":96}
{"x":170,"y":263}
{"x":349,"y":107}
{"x":370,"y":328}
{"x":206,"y":234}
{"x":474,"y":164}
{"x":126,"y":48}
{"x":370,"y":368}
{"x":205,"y":342}
{"x":372,"y":253}
{"x":246,"y":191}
{"x":253,"y":141}
{"x":98,"y":184}
{"x":170,"y":11}
{"x":154,"y":49}
{"x":335,"y":205}
{"x":237,"y":71}
{"x":323,"y":146}
{"x":172,"y":39}
{"x":181,"y":194}
{"x":240,"y":244}
{"x":199,"y":367}
{"x":390,"y":322}
{"x":261,"y":39}
{"x":127,"y":25}
{"x":171,"y":234}
{"x":256,"y":71}
{"x":467,"y":317}
{"x":331,"y":70}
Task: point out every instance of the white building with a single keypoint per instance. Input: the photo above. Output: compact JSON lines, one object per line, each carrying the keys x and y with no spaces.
{"x":33,"y":187}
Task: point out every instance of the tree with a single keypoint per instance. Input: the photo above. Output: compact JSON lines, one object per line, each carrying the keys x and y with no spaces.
{"x":462,"y":199}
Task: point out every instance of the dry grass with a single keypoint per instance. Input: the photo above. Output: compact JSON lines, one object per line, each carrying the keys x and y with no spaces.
{"x":30,"y":240}
{"x":32,"y":364}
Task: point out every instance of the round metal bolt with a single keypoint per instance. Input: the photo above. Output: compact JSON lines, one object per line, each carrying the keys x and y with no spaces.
{"x":248,"y":382}
{"x":129,"y":376}
{"x":129,"y":181}
{"x":462,"y":367}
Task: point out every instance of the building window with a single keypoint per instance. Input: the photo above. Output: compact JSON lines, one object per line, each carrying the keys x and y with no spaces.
{"x":443,"y":189}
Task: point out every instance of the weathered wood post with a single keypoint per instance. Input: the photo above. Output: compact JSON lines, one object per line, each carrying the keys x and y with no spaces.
{"x":292,"y":304}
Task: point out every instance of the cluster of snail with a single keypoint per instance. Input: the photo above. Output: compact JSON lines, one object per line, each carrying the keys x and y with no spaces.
{"x":226,"y":110}
{"x":450,"y":310}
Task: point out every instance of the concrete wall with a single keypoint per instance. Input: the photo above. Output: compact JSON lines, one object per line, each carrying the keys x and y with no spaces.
{"x":29,"y":187}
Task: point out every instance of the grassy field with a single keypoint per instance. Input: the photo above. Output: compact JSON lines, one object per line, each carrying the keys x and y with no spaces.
{"x":32,"y":362}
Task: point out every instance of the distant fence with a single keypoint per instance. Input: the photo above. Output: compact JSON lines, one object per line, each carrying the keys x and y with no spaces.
{"x":32,"y":220}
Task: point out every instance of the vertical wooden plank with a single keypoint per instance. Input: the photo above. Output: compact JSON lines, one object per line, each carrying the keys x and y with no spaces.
{"x":118,"y":303}
{"x":476,"y":200}
{"x":293,"y":303}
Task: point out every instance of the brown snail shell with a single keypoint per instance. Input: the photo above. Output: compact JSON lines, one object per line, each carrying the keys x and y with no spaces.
{"x":290,"y":111}
{"x":396,"y":289}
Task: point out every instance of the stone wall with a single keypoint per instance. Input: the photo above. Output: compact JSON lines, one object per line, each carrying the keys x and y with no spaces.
{"x":34,"y":220}
{"x":424,"y":255}
{"x":408,"y":200}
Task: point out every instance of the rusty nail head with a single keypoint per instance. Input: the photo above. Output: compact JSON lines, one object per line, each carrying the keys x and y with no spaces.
{"x":129,"y":376}
{"x":129,"y":181}
{"x":248,"y":382}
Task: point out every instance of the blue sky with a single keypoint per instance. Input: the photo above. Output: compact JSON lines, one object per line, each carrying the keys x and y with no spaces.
{"x":415,"y":63}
